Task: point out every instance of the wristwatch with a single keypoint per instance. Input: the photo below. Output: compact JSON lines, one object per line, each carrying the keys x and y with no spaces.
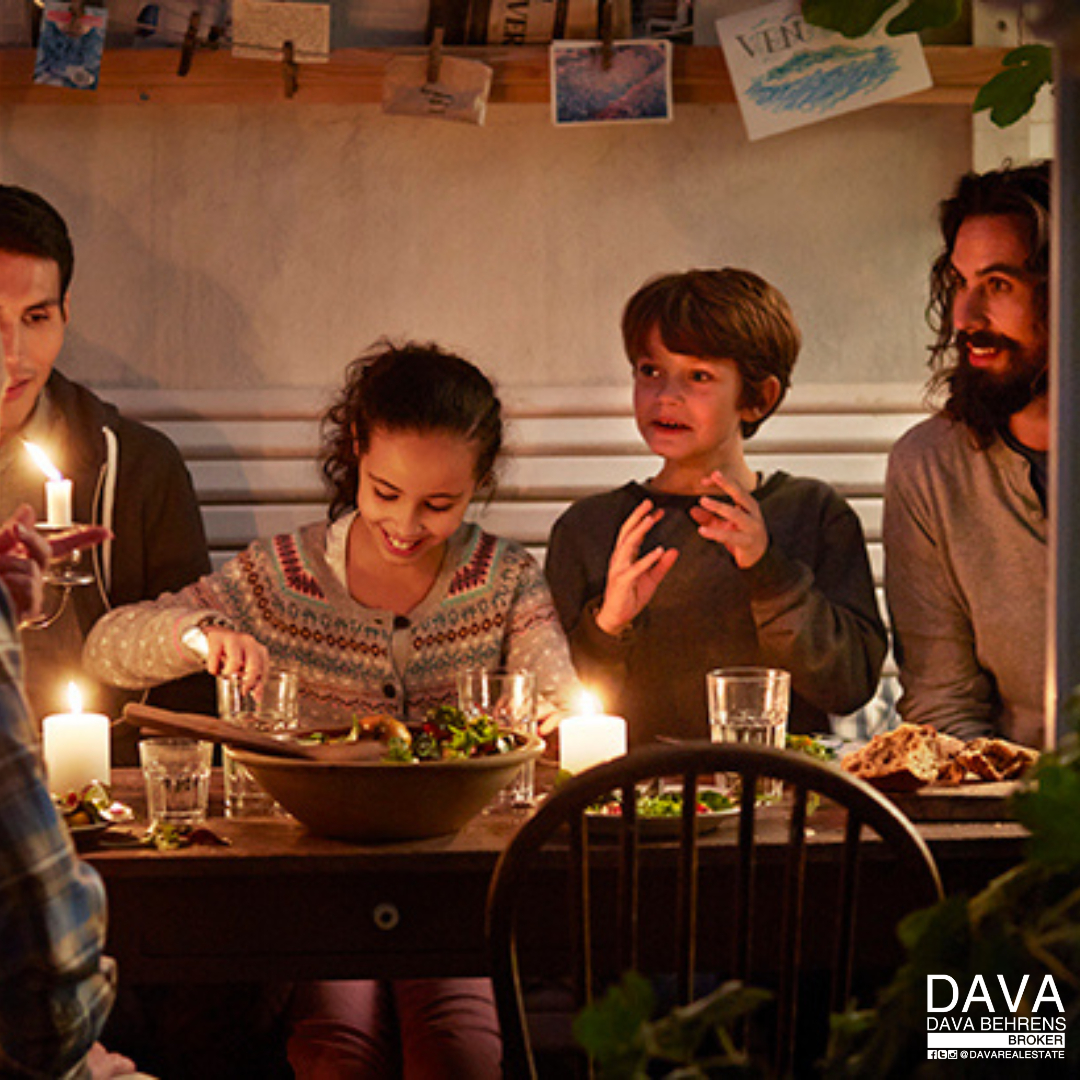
{"x":194,"y":637}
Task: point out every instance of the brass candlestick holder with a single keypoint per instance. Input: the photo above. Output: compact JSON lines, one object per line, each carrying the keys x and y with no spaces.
{"x":63,"y":574}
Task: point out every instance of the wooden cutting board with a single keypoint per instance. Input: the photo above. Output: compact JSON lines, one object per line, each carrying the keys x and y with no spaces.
{"x":986,"y":801}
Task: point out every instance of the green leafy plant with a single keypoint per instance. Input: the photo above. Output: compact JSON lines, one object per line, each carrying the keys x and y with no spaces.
{"x":1009,"y":95}
{"x":695,"y":1040}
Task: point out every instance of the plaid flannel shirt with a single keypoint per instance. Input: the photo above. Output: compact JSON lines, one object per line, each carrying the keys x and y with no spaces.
{"x":56,"y":988}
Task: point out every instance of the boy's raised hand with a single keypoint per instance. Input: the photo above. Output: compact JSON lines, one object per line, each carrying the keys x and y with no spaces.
{"x":737,"y":525}
{"x":631,"y":582}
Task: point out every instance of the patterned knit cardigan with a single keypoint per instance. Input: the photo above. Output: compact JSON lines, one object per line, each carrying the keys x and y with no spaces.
{"x":489,"y":607}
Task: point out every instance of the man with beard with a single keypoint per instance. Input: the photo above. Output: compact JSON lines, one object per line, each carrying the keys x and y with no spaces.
{"x":965,"y":496}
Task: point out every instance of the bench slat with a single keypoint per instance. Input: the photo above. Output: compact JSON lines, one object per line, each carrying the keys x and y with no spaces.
{"x":255,"y":438}
{"x":523,"y":478}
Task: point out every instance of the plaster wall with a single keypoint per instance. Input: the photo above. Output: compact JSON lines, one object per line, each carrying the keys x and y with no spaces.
{"x":229,"y":246}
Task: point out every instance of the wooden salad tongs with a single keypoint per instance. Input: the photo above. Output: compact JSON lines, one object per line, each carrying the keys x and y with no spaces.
{"x":211,"y":729}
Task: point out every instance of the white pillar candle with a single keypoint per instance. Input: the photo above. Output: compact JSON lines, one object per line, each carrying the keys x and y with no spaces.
{"x":58,"y":502}
{"x":590,"y":737}
{"x":57,"y":489}
{"x":75,"y":747}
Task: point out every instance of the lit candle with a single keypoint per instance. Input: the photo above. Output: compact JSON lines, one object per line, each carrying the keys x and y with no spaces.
{"x":57,"y":489}
{"x":590,"y":737}
{"x":75,"y":746}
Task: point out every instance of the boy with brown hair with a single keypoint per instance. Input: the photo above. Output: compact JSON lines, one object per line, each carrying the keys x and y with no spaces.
{"x":709,"y":563}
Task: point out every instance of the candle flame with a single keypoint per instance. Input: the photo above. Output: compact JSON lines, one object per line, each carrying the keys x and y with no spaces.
{"x":74,"y":698}
{"x":42,"y":461}
{"x":588,"y":704}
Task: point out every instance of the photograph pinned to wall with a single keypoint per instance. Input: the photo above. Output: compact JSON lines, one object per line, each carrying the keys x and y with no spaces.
{"x":261,"y":28}
{"x":70,"y":46}
{"x":456,"y":90}
{"x":788,"y":74}
{"x":634,"y":86}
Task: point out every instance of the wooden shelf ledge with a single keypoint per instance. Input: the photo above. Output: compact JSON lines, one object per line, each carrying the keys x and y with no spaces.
{"x":148,"y":76}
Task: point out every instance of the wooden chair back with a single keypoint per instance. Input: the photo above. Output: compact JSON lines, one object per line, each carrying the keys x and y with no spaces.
{"x":761,"y":891}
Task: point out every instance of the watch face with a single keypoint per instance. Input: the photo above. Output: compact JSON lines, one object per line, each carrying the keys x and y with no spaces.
{"x":194,"y":637}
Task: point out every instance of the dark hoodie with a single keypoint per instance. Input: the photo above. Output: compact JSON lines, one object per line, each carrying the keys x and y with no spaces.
{"x":131,"y":478}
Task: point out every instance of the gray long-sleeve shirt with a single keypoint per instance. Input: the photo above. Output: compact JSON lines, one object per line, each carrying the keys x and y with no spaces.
{"x":807,"y":606}
{"x":965,"y":577}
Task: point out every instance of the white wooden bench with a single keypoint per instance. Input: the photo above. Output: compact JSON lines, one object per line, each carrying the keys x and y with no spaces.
{"x":252,"y":454}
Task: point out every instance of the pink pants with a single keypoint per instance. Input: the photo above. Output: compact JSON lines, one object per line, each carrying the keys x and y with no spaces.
{"x":423,"y":1029}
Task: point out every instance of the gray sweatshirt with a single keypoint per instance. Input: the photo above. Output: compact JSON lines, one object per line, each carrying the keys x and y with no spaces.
{"x":807,"y":606}
{"x":966,"y":578}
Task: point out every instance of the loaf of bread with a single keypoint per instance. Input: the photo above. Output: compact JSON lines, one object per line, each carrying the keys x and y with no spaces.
{"x":914,"y":755}
{"x":906,"y":758}
{"x":996,"y":759}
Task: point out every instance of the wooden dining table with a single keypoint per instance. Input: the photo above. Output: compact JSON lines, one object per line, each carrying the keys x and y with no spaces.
{"x":276,"y":903}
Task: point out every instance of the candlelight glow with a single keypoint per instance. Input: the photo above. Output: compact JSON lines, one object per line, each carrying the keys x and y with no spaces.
{"x":75,"y":747}
{"x":590,"y":737}
{"x":588,"y":704}
{"x":42,"y":461}
{"x":57,"y":489}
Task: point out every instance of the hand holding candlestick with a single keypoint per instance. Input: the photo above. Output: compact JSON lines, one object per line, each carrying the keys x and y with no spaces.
{"x":27,"y":553}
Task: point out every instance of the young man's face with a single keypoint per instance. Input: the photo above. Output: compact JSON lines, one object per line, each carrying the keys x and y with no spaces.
{"x":688,"y":409}
{"x":32,"y":323}
{"x":1000,"y":328}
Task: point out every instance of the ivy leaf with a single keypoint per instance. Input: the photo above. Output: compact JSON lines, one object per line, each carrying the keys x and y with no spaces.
{"x":852,"y":18}
{"x":610,"y":1029}
{"x":1011,"y":93}
{"x":1051,"y":813}
{"x":680,"y":1035}
{"x":924,"y":15}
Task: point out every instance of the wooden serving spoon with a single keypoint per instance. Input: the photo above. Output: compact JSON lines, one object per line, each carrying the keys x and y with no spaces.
{"x":210,"y":729}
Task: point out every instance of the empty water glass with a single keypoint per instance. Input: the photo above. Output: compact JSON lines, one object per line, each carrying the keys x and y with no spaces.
{"x":750,"y":705}
{"x":270,"y":707}
{"x":509,"y":698}
{"x":177,"y":777}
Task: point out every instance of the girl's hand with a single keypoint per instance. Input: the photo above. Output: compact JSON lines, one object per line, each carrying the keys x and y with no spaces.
{"x":632,"y":582}
{"x":737,"y":525}
{"x":231,"y":653}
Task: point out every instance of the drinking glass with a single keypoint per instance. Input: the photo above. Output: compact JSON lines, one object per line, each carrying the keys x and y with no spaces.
{"x":509,"y":698}
{"x":270,"y":707}
{"x":750,"y":705}
{"x":177,"y":777}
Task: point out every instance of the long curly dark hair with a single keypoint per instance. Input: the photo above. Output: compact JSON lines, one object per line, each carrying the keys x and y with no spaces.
{"x":1022,"y":193}
{"x":413,"y":387}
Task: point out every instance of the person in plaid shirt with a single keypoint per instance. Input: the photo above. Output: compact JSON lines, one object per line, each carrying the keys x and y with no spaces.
{"x":56,"y":987}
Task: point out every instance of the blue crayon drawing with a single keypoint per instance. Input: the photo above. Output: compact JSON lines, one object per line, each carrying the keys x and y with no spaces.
{"x":820,"y":81}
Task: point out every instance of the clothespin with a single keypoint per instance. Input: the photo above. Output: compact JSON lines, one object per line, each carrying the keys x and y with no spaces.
{"x":77,"y":9}
{"x":607,"y":34}
{"x":290,"y":70}
{"x":191,"y":43}
{"x":435,"y":54}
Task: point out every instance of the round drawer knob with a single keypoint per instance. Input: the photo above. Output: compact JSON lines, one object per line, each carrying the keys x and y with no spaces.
{"x":386,"y":915}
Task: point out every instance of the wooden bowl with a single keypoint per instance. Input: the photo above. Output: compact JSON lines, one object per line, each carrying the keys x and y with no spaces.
{"x":375,"y":800}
